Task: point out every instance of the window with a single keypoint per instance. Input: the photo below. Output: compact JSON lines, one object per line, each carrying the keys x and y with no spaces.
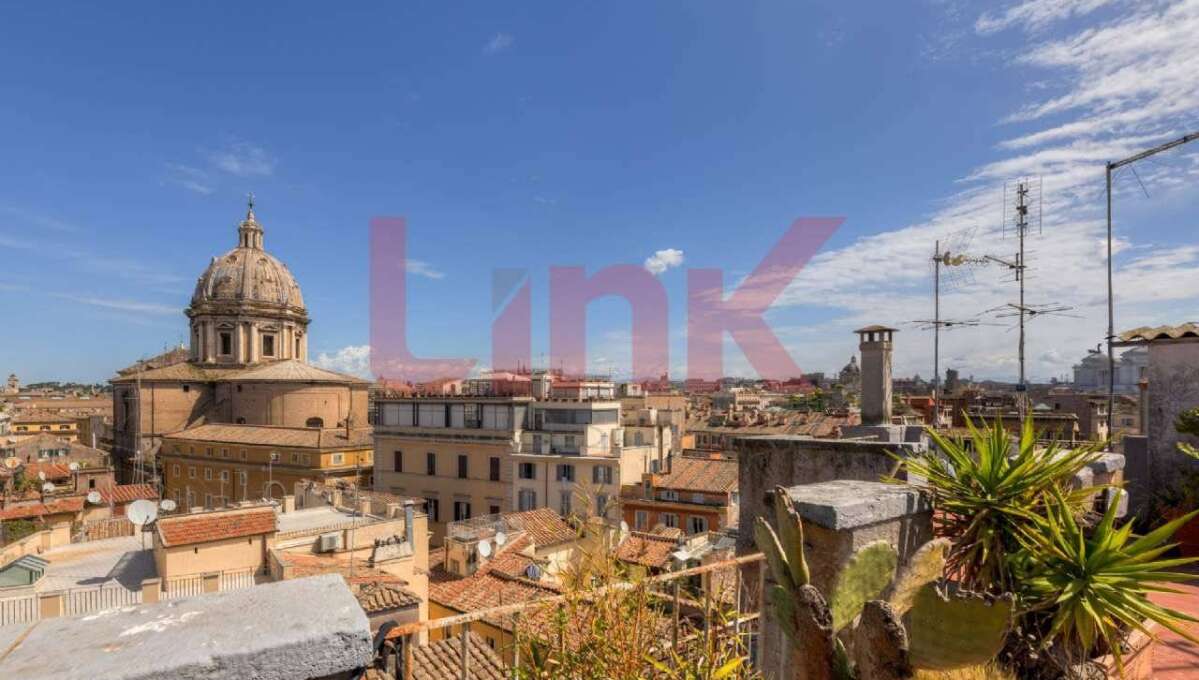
{"x":431,"y":464}
{"x":224,"y":453}
{"x":226,"y":343}
{"x":433,"y":508}
{"x":461,"y":510}
{"x":494,"y":471}
{"x":268,"y":345}
{"x":641,"y":520}
{"x":472,"y":416}
{"x":175,"y":470}
{"x":208,"y":473}
{"x":224,"y":475}
{"x":314,"y":422}
{"x":566,"y":472}
{"x":670,"y":495}
{"x":397,"y":461}
{"x":670,"y":519}
{"x":191,"y":471}
{"x":337,"y":459}
{"x":601,"y":503}
{"x":462,"y":466}
{"x":243,"y":454}
{"x":601,"y":474}
{"x":208,"y":451}
{"x":431,"y":415}
{"x":697,"y":525}
{"x":493,"y":509}
{"x":564,"y":503}
{"x":243,"y":477}
{"x":305,"y":459}
{"x":295,"y":457}
{"x":698,"y":498}
{"x":208,"y":500}
{"x":528,"y":471}
{"x":187,"y":388}
{"x":526,"y":499}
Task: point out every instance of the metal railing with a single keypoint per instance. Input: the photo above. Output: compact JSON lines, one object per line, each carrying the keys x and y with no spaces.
{"x":747,"y":605}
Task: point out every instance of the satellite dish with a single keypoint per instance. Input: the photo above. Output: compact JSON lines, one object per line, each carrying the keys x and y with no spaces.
{"x":485,"y":548}
{"x":93,"y":497}
{"x":48,"y":487}
{"x":501,"y":538}
{"x":533,"y":572}
{"x":12,"y":462}
{"x":167,"y":505}
{"x":74,"y":467}
{"x":41,"y":475}
{"x":142,"y":512}
{"x":624,"y":527}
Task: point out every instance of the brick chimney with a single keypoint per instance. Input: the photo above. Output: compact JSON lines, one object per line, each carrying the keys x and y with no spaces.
{"x":875,"y":345}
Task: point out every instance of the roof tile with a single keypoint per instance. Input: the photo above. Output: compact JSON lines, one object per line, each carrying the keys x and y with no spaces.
{"x":215,"y":526}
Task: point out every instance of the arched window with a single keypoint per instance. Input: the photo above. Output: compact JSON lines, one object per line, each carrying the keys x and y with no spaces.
{"x":314,"y":422}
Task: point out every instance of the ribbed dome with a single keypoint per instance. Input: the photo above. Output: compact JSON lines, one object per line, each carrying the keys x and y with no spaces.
{"x":247,"y":274}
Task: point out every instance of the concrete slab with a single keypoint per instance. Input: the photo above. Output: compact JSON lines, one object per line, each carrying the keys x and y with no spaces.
{"x":120,"y":561}
{"x":310,"y":519}
{"x":848,"y":504}
{"x":306,"y":628}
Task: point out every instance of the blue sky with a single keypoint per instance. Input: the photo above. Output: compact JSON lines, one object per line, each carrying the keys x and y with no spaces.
{"x":548,"y":133}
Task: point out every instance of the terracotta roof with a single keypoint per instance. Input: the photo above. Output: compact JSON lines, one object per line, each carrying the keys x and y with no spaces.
{"x":48,"y":440}
{"x":378,"y":596}
{"x":711,"y":475}
{"x":443,"y":660}
{"x":294,"y":370}
{"x":127,"y":493}
{"x":53,"y":471}
{"x":646,"y":550}
{"x":874,"y":328}
{"x":40,"y":416}
{"x":183,"y":371}
{"x":215,"y":526}
{"x":54,"y":507}
{"x":491,"y":585}
{"x":545,"y":526}
{"x":270,"y":435}
{"x":1150,"y":333}
{"x":167,"y":358}
{"x":667,"y":532}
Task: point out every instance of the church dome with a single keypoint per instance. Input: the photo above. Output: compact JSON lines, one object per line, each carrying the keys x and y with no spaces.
{"x":247,"y":275}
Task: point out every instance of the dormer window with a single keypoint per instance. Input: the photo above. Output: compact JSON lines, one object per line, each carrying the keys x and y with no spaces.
{"x":268,"y":345}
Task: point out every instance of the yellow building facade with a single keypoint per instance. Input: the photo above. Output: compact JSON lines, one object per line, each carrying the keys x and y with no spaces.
{"x":215,"y":465}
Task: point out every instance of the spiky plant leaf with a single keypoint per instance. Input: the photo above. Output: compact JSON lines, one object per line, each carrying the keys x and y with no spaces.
{"x":863,"y":578}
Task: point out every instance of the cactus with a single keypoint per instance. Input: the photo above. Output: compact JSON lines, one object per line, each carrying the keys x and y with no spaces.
{"x":900,"y":622}
{"x":862,"y":579}
{"x":957,"y":630}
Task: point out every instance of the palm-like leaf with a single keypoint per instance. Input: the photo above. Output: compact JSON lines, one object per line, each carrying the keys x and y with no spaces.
{"x":1094,"y":587}
{"x":985,"y":497}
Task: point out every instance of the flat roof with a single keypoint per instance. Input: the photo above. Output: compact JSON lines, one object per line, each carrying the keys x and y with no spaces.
{"x":111,"y":561}
{"x":309,"y":519}
{"x":303,"y":628}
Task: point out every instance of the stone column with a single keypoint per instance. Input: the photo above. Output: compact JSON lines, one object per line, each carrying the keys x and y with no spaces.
{"x":839,"y":518}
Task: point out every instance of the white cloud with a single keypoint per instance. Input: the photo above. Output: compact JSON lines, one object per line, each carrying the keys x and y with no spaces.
{"x":352,"y":359}
{"x":662,"y":260}
{"x":122,"y":305}
{"x":1035,"y":15}
{"x":498,"y":43}
{"x":192,"y":179}
{"x":1120,"y":85}
{"x":422,"y":268}
{"x":243,"y":160}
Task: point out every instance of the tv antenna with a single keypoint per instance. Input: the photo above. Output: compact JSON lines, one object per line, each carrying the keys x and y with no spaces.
{"x":1021,"y":212}
{"x":958,"y":272}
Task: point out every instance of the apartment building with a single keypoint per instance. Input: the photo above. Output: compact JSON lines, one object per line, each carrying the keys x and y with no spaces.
{"x":453,"y":450}
{"x":692,"y":494}
{"x":575,"y":454}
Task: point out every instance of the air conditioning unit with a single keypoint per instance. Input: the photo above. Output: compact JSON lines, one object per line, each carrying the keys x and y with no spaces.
{"x":329,"y":542}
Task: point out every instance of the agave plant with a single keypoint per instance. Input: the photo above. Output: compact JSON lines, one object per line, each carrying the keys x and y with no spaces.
{"x":1091,"y":587}
{"x":984,"y":498}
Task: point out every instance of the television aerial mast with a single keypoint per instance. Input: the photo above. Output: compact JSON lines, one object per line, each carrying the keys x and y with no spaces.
{"x":958,"y":273}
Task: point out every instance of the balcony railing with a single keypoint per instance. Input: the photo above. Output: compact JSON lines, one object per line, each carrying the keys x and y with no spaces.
{"x":746,"y":601}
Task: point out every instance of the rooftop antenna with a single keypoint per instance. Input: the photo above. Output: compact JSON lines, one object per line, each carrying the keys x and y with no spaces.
{"x":1021,"y":213}
{"x":142,"y":512}
{"x":958,"y":273}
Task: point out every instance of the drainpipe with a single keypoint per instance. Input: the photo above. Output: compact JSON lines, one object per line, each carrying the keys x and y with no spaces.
{"x":409,"y":520}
